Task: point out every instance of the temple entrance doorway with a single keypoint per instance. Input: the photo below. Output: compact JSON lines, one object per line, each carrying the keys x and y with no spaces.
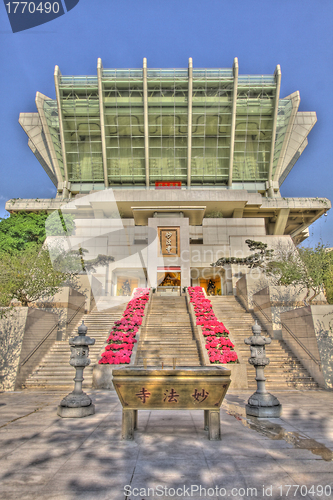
{"x":126,"y":285}
{"x":168,"y":278}
{"x":211,"y":280}
{"x":212,"y":286}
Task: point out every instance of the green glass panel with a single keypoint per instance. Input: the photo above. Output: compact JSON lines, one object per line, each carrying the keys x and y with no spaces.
{"x":124,"y":126}
{"x":82,"y":133}
{"x":253,"y":129}
{"x":211,"y":126}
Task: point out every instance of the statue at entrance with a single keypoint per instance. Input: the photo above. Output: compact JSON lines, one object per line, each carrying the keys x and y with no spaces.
{"x":126,"y":288}
{"x":211,"y":288}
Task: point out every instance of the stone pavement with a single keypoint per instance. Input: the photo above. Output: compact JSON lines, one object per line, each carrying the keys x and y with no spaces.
{"x":45,"y":457}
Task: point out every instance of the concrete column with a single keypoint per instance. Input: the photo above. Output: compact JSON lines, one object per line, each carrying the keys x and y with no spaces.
{"x":145,"y":119}
{"x":277,"y":75}
{"x":189,"y":120}
{"x":102,"y":120}
{"x":281,"y":221}
{"x":238,"y":213}
{"x":233,"y":121}
{"x":57,"y":75}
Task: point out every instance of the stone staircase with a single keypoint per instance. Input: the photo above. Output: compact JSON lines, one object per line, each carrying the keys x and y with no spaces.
{"x":284,"y":371}
{"x":167,"y":335}
{"x":55,"y":371}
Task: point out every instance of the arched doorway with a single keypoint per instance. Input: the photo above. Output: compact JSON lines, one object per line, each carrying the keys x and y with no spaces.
{"x":211,"y":280}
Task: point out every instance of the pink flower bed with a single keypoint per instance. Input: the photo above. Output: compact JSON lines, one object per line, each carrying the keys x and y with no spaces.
{"x":122,"y":336}
{"x":219,"y":346}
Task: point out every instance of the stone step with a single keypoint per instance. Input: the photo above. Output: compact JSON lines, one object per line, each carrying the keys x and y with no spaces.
{"x":164,"y":344}
{"x":168,"y":334}
{"x":55,"y":370}
{"x":165,"y":355}
{"x":284,"y":369}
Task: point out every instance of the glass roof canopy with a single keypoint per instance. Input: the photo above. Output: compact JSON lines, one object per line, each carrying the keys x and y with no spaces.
{"x":134,"y":127}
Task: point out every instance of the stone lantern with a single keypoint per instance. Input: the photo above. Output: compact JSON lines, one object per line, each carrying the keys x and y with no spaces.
{"x":261,"y":403}
{"x":78,"y":403}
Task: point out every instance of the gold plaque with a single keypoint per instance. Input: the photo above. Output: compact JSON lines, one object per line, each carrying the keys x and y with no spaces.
{"x":169,"y":241}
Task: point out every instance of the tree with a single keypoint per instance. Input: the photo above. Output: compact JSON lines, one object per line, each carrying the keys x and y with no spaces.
{"x":310,"y":269}
{"x":27,"y":270}
{"x":257,"y":259}
{"x":328,"y":278}
{"x":22,"y":230}
{"x":28,"y":275}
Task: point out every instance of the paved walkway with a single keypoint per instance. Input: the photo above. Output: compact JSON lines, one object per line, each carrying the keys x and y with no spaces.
{"x":45,"y":457}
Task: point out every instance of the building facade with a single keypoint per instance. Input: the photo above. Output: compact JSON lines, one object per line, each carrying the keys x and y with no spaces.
{"x":183,"y":164}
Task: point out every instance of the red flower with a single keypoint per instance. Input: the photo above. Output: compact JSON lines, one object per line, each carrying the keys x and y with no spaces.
{"x":218,"y":345}
{"x":121,"y":338}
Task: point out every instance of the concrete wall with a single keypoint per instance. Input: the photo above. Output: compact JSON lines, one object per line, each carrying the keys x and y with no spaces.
{"x":11,"y":335}
{"x":301,"y":322}
{"x":218,"y":231}
{"x":322,"y":317}
{"x":271,"y":301}
{"x":248,"y":285}
{"x":21,"y":331}
{"x":89,"y":287}
{"x":69,"y":305}
{"x":263,"y":310}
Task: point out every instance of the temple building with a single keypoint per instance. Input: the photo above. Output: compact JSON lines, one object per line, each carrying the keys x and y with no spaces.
{"x":169,"y":169}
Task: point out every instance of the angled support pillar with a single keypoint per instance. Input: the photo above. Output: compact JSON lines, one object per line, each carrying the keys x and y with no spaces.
{"x":281,"y":221}
{"x":277,"y":75}
{"x":102,"y":120}
{"x":295,"y":100}
{"x":189,"y":120}
{"x":233,"y":121}
{"x":145,"y":119}
{"x":238,"y":213}
{"x":40,"y":99}
{"x":57,"y":76}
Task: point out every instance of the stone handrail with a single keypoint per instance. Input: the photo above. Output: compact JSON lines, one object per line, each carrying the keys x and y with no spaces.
{"x":41,"y":342}
{"x":76,"y":312}
{"x":197,"y":331}
{"x":143,"y":324}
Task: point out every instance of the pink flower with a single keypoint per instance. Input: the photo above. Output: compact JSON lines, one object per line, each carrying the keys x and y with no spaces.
{"x":218,"y":345}
{"x":121,"y":339}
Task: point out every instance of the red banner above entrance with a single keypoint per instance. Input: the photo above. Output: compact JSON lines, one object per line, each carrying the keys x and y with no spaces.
{"x":168,"y":184}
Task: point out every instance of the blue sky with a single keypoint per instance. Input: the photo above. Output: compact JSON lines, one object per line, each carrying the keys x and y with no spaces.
{"x":297,"y":34}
